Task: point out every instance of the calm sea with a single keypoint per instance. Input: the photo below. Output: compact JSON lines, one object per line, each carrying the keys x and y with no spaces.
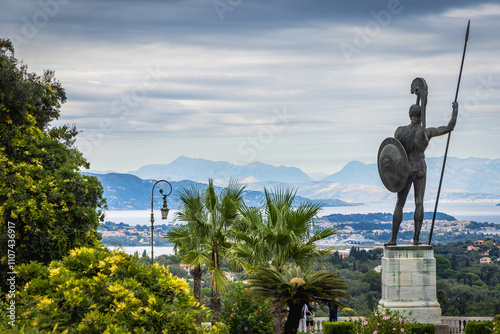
{"x":162,"y":250}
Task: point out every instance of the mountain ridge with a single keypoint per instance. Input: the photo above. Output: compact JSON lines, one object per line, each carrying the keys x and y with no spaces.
{"x":475,"y":175}
{"x":200,"y":170}
{"x":470,"y":178}
{"x":129,"y":192}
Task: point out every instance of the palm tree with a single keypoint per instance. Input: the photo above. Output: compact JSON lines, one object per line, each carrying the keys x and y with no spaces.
{"x":277,"y":235}
{"x":188,"y":240}
{"x":295,"y":287}
{"x":205,"y":238}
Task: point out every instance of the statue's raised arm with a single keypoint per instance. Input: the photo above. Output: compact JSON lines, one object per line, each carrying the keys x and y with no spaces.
{"x":442,"y":130}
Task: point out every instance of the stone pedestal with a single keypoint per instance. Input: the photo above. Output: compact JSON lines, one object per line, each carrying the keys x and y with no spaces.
{"x":409,"y":282}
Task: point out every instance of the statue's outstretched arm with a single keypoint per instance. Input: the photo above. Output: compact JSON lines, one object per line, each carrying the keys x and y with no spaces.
{"x":442,"y":130}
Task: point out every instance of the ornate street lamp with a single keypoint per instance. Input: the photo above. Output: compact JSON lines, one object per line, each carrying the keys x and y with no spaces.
{"x":164,"y":212}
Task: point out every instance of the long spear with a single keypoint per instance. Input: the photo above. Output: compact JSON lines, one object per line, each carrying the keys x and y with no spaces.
{"x":449,"y":135}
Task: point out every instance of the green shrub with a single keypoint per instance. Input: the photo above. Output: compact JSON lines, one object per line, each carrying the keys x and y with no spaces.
{"x":496,"y":325}
{"x":99,"y":291}
{"x":423,"y":329}
{"x":479,"y":327}
{"x":245,"y":314}
{"x":346,"y":327}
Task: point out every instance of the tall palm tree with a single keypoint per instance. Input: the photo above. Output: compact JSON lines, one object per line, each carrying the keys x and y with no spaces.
{"x":295,"y":287}
{"x":276,"y":235}
{"x":189,"y":241}
{"x":209,"y":217}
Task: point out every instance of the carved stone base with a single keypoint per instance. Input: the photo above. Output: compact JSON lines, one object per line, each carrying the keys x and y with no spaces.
{"x":409,"y":282}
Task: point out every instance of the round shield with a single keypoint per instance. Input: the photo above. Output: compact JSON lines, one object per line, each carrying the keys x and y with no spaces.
{"x":393,"y":165}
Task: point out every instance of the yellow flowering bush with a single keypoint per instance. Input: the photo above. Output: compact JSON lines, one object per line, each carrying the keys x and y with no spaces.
{"x":95,"y":290}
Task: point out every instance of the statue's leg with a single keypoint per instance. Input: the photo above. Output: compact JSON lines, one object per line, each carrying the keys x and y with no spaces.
{"x":397,"y":217}
{"x":419,"y":188}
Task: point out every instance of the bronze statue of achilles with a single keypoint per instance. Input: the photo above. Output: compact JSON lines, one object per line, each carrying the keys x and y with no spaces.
{"x":401,"y":160}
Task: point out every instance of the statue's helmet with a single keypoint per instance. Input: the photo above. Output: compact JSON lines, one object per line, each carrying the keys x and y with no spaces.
{"x":415,"y":110}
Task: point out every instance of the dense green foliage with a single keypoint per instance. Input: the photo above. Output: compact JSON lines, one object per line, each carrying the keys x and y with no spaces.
{"x":50,"y":207}
{"x":496,"y":324}
{"x":357,"y":269}
{"x":346,"y":327}
{"x":423,"y":329}
{"x":479,"y":327}
{"x":97,"y":291}
{"x":245,"y":313}
{"x":466,"y":287}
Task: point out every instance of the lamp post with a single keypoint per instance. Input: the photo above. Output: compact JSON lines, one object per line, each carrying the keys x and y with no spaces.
{"x":164,"y":212}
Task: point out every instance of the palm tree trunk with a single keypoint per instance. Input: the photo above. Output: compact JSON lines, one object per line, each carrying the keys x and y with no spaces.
{"x":278,"y":317}
{"x":216,"y":306}
{"x":197,"y":283}
{"x":215,"y":301}
{"x":294,"y":314}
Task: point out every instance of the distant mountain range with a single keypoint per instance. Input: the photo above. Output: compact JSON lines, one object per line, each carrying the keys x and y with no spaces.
{"x":129,"y":192}
{"x":472,"y":180}
{"x":200,"y":170}
{"x":476,"y":175}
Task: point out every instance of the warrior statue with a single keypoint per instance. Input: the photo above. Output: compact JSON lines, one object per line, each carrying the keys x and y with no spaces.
{"x":401,"y":160}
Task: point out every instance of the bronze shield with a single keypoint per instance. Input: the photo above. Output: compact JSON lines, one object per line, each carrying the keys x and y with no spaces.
{"x":393,"y":165}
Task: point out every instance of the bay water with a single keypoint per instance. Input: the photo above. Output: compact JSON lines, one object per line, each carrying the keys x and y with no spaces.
{"x":467,"y":212}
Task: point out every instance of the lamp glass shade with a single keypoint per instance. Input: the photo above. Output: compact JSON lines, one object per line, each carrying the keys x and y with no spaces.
{"x":164,"y":212}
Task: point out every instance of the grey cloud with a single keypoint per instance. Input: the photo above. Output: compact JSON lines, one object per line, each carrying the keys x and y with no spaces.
{"x":221,"y":80}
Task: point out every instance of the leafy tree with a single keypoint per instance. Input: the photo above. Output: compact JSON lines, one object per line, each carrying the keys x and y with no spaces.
{"x":48,"y":204}
{"x":442,"y":264}
{"x":276,"y":235}
{"x":494,"y":251}
{"x":454,"y":262}
{"x":205,"y":239}
{"x":245,"y":313}
{"x":295,"y":287}
{"x":374,"y":279}
{"x":441,"y":297}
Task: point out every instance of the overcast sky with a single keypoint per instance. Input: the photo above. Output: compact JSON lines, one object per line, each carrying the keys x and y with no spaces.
{"x":310,"y":84}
